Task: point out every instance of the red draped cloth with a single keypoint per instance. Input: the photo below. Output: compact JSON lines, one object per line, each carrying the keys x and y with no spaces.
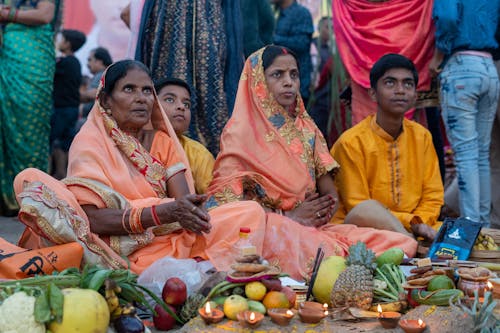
{"x":367,"y":30}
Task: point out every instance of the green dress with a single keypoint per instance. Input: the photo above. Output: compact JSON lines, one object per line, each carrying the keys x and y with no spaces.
{"x":27,"y":64}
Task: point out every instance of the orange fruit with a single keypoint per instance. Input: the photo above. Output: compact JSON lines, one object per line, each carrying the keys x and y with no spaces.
{"x":255,"y":290}
{"x":275,"y":299}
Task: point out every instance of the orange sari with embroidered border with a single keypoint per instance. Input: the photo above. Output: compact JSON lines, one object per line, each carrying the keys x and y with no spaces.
{"x":274,"y":158}
{"x":109,"y":169}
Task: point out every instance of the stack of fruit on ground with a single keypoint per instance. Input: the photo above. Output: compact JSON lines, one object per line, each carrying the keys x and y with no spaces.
{"x":86,"y":301}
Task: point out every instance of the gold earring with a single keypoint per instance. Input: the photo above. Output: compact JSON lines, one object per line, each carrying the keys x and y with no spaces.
{"x":108,"y":112}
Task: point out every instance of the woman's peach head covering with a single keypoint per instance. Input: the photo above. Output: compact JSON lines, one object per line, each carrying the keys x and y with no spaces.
{"x":267,"y":153}
{"x":101,"y":141}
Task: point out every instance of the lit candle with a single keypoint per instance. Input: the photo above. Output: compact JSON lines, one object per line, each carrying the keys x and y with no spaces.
{"x":325,"y":306}
{"x":252,"y":318}
{"x":289,"y":313}
{"x":490,"y":285}
{"x":379,"y":309}
{"x":208,"y":310}
{"x":420,"y":323}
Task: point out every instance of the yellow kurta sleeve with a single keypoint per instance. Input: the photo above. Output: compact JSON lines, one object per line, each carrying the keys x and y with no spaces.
{"x":201,"y":162}
{"x":351,"y":180}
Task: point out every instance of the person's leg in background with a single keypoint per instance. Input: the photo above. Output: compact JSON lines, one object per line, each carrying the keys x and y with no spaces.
{"x":487,"y":108}
{"x":466,"y":82}
{"x":495,"y":166}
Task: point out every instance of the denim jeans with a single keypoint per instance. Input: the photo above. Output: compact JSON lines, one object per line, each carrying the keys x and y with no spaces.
{"x":469,"y":97}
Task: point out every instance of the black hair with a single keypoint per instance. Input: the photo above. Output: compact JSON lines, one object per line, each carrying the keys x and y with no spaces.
{"x":75,"y":38}
{"x":272,"y":51}
{"x":102,"y":54}
{"x":390,"y":61}
{"x":168,"y":81}
{"x":119,"y":70}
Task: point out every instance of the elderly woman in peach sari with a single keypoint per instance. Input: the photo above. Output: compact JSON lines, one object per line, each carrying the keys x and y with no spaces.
{"x":128,"y":188}
{"x":273,"y":154}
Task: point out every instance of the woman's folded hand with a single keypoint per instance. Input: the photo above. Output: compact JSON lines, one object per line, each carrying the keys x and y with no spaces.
{"x":190,"y":213}
{"x":314,"y":211}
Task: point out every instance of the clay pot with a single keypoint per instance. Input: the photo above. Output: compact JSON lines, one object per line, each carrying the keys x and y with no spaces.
{"x":389,"y":319}
{"x":469,"y":286}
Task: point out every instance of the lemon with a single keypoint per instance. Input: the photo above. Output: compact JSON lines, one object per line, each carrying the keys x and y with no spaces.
{"x":233,"y":305}
{"x":255,"y":290}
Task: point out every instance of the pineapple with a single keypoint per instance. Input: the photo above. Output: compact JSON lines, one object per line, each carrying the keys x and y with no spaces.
{"x":354,"y":286}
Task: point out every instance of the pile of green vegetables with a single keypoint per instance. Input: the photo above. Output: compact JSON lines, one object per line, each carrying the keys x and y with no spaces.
{"x":49,"y":297}
{"x":388,"y":283}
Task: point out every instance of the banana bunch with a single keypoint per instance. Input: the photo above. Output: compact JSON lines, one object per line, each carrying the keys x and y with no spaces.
{"x":485,"y":242}
{"x":111,"y":291}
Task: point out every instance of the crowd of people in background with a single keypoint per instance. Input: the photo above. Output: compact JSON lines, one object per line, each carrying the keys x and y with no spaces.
{"x":196,"y":52}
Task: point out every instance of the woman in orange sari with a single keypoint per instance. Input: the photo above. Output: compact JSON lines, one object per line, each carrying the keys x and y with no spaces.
{"x":272,"y":153}
{"x":128,"y":188}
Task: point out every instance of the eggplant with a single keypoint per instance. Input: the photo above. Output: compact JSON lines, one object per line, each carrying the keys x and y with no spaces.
{"x":128,"y":324}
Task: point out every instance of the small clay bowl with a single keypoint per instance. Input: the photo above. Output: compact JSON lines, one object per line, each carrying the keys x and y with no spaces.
{"x":411,"y":326}
{"x":389,"y":319}
{"x":311,"y":316}
{"x":280,"y":316}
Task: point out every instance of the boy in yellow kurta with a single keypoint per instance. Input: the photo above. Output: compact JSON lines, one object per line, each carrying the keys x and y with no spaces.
{"x":175,"y":99}
{"x":388,"y":165}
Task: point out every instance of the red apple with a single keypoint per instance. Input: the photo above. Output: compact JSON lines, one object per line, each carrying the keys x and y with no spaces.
{"x":290,"y":294}
{"x":162,"y":319}
{"x":174,"y":291}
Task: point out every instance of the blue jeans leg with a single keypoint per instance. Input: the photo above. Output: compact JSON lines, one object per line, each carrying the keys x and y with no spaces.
{"x":469,"y":97}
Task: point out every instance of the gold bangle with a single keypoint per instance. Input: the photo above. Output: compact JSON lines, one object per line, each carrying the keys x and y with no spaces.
{"x":123,"y":221}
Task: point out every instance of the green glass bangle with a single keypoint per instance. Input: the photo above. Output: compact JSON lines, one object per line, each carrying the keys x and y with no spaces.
{"x":12,"y":14}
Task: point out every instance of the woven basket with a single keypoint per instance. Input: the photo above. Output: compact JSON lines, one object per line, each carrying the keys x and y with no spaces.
{"x":486,"y":255}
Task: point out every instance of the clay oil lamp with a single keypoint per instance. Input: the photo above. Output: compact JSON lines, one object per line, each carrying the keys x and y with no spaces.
{"x":250,"y":319}
{"x":412,"y":325}
{"x":315,"y":306}
{"x":281,"y":316}
{"x":209,"y":315}
{"x":388,"y":319}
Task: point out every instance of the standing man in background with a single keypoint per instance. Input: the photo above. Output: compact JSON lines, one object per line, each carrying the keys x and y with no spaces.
{"x":469,"y":94}
{"x":294,"y":29}
{"x":258,"y":25}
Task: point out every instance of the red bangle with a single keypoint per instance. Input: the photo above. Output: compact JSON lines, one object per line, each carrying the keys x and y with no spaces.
{"x":156,"y":219}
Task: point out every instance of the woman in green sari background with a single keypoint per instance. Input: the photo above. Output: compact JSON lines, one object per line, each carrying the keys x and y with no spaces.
{"x":27,"y":63}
